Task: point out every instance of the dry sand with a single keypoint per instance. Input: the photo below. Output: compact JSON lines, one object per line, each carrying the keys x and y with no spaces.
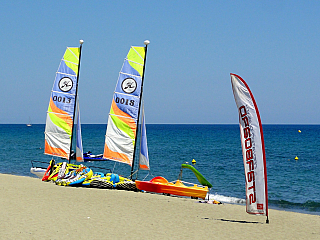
{"x":32,"y":209}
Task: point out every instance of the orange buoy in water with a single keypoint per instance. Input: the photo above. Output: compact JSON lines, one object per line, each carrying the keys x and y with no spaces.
{"x":296,"y":158}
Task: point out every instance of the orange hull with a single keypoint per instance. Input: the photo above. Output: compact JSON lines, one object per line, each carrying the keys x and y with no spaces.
{"x":161,"y":185}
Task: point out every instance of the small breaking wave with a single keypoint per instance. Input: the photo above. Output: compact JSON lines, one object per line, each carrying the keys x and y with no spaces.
{"x":309,"y":206}
{"x":226,"y":199}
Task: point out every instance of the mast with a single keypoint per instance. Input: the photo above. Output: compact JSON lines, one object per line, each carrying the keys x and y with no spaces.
{"x":75,"y":99}
{"x":146,"y":42}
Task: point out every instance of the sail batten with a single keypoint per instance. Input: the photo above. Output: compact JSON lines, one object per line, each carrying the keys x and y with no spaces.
{"x":130,"y":75}
{"x":134,"y":62}
{"x":73,"y":75}
{"x":71,"y":62}
{"x":119,"y":116}
{"x":64,"y":93}
{"x":125,"y":94}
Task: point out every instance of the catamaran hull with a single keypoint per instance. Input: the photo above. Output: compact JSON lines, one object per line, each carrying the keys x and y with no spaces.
{"x":39,"y":172}
{"x":88,"y":157}
{"x":161,"y":185}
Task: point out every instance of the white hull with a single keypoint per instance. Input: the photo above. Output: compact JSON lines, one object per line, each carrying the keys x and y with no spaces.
{"x":39,"y":172}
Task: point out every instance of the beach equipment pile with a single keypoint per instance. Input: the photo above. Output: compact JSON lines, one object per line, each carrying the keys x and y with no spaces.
{"x":67,"y":174}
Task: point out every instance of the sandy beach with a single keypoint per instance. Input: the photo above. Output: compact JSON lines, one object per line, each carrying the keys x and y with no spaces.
{"x":32,"y":209}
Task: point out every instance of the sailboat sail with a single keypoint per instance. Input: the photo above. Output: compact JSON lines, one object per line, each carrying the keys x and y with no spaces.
{"x":79,"y":148}
{"x":253,"y":149}
{"x":29,"y":123}
{"x":60,"y":114}
{"x":124,"y":113}
{"x":144,"y":157}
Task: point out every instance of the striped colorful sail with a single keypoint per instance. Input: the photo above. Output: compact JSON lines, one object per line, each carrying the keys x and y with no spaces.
{"x":123,"y":117}
{"x":253,"y":150}
{"x":144,"y":156}
{"x":79,"y":148}
{"x":59,"y":123}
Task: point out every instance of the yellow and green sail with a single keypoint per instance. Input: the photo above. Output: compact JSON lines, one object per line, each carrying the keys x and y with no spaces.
{"x":124,"y":113}
{"x":60,"y":113}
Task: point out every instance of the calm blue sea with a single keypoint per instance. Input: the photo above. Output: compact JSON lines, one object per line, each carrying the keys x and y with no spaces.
{"x":293,"y":185}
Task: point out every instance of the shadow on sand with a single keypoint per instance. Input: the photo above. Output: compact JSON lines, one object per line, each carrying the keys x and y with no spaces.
{"x":236,"y":221}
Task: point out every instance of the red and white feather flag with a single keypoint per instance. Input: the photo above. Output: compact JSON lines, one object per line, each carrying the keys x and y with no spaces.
{"x":253,"y":150}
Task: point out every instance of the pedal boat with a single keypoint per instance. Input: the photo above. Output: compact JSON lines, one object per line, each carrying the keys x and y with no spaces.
{"x":161,"y":185}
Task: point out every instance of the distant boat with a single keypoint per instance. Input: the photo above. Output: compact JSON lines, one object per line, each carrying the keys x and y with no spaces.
{"x":29,"y":123}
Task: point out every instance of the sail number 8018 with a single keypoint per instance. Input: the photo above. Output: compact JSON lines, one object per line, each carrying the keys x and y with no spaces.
{"x":124,"y":101}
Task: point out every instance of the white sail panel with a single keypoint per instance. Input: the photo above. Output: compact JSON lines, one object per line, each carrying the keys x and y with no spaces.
{"x":79,"y":148}
{"x":118,"y":144}
{"x":57,"y":139}
{"x":144,"y":156}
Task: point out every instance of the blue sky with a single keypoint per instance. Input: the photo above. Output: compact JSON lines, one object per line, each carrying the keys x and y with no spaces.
{"x":195,"y":45}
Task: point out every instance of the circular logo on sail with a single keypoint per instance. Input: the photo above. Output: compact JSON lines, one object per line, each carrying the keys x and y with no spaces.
{"x":65,"y":84}
{"x":129,"y":85}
